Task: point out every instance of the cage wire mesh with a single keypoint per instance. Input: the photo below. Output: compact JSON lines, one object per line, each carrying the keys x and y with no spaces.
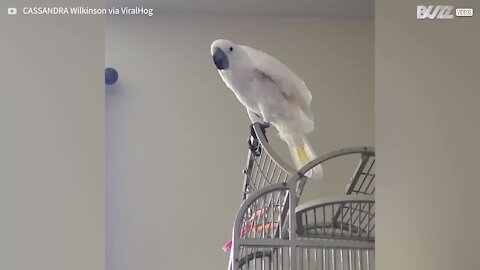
{"x":263,"y":167}
{"x":329,"y":233}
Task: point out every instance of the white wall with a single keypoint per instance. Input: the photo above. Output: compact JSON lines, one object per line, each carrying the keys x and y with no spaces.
{"x":176,"y":136}
{"x":427,"y":137}
{"x":52,"y":149}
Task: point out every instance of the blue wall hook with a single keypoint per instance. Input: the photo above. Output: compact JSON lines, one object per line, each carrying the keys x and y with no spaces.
{"x":111,"y":76}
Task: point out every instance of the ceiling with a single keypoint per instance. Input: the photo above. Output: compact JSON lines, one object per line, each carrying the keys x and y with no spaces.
{"x":353,"y":9}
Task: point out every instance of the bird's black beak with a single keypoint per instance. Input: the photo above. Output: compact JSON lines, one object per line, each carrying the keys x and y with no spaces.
{"x":220,"y":59}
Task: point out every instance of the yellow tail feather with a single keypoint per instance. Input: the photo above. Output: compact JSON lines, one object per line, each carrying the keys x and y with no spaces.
{"x":302,"y":156}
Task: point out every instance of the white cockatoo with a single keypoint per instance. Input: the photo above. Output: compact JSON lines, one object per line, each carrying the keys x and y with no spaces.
{"x":272,"y":93}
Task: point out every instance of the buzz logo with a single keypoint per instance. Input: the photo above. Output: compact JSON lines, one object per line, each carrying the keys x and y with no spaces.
{"x":434,"y":12}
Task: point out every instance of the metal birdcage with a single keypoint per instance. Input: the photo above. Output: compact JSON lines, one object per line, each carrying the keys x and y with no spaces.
{"x":272,"y":231}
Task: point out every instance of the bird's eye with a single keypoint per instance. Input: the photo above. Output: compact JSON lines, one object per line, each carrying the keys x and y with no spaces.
{"x":231,"y":49}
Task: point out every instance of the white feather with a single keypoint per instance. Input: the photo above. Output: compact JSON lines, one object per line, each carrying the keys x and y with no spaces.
{"x":269,"y":89}
{"x":288,"y":82}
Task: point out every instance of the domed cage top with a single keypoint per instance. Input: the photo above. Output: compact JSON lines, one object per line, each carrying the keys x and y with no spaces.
{"x":327,"y":233}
